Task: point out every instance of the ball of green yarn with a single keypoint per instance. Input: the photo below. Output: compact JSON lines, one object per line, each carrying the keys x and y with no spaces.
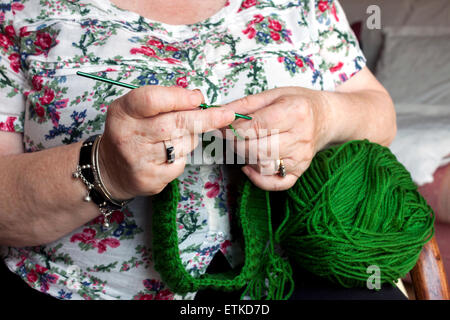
{"x":355,"y":207}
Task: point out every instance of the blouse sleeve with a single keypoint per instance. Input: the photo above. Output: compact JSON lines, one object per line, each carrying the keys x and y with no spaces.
{"x":339,"y":47}
{"x":12,"y":80}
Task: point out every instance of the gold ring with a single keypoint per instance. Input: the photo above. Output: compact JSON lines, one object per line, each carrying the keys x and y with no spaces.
{"x":281,"y":168}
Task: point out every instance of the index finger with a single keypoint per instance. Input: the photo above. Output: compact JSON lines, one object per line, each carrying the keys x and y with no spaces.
{"x":170,"y":125}
{"x":148,"y":101}
{"x":275,"y":118}
{"x":250,"y":104}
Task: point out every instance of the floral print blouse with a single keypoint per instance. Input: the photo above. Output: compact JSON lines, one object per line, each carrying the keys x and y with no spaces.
{"x":247,"y":47}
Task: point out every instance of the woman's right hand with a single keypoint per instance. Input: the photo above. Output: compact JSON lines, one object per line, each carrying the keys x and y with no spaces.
{"x":132,"y":155}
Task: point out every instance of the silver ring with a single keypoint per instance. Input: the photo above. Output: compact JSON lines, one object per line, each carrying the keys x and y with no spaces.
{"x":170,"y":151}
{"x":281,"y":168}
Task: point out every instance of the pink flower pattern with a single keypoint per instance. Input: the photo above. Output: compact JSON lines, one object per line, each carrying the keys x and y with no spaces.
{"x":88,"y":237}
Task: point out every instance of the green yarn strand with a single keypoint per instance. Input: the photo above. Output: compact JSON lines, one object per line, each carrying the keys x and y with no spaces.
{"x":274,"y":272}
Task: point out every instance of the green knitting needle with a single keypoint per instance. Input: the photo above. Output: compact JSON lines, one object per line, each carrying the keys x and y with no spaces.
{"x":130,"y":86}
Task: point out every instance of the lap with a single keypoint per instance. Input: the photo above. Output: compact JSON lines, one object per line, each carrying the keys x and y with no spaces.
{"x":307,"y":287}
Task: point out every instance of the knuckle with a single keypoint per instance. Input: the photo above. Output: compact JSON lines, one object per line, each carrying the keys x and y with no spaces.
{"x":303,"y":109}
{"x":300,"y":113}
{"x":119,"y":139}
{"x":245,"y":101}
{"x":148,"y":96}
{"x":284,"y":100}
{"x":116,"y":109}
{"x":180,"y":120}
{"x":127,"y":101}
{"x":256,"y":125}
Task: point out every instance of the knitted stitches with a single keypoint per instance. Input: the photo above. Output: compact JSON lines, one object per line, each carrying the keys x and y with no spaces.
{"x":166,"y":252}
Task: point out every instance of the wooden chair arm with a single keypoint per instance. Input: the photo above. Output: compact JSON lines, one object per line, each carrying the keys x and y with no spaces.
{"x":428,"y":276}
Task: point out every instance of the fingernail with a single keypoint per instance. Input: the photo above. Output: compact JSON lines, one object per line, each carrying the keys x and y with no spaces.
{"x":195,"y":98}
{"x":228,"y":114}
{"x":197,"y":91}
{"x":245,"y":170}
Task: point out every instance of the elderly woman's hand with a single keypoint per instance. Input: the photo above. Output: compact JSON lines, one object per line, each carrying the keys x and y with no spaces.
{"x":294,"y":120}
{"x":132,"y":153}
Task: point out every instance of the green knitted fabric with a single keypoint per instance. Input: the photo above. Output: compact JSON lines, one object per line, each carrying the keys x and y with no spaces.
{"x":356,"y":206}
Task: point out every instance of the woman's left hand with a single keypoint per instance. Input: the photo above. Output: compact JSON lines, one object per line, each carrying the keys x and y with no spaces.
{"x":293,"y":120}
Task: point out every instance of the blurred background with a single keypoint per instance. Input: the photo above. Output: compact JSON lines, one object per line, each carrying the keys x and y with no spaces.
{"x":409,"y":52}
